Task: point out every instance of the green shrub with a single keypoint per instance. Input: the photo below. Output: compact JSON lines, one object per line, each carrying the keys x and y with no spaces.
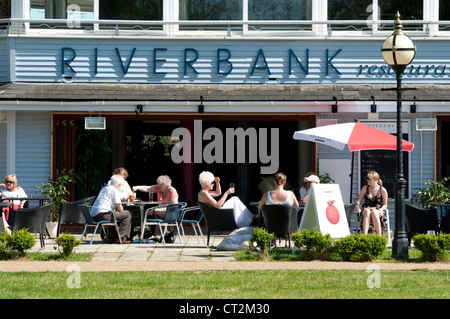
{"x":432,"y":246}
{"x":4,"y":243}
{"x":66,"y":243}
{"x":21,"y":240}
{"x":360,"y":247}
{"x":260,"y":242}
{"x":315,"y":244}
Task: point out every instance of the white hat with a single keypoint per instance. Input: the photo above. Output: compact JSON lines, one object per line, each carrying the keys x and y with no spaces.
{"x":312,"y":178}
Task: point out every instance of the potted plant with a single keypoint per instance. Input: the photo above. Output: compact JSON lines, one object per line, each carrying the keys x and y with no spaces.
{"x":56,"y":191}
{"x":421,"y":214}
{"x":437,"y":193}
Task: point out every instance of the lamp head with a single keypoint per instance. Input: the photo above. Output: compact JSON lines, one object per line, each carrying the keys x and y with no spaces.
{"x":398,"y":50}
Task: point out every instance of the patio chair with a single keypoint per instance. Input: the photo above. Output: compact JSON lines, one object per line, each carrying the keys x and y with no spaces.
{"x":70,"y":213}
{"x":89,"y":222}
{"x":171,"y":218}
{"x":33,"y":219}
{"x":195,"y":223}
{"x":280,"y":219}
{"x":420,"y":221}
{"x":217,"y":219}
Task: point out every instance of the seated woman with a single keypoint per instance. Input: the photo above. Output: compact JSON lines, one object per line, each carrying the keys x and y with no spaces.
{"x":308,"y":179}
{"x":375,"y":199}
{"x":279,"y":196}
{"x":242,"y":215}
{"x":10,"y":189}
{"x":166,"y":194}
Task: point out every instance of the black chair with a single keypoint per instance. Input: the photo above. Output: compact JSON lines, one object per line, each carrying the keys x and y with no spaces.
{"x":443,"y":211}
{"x":419,"y":220}
{"x":71,"y":214}
{"x":33,"y":219}
{"x":217,"y":219}
{"x":280,"y":219}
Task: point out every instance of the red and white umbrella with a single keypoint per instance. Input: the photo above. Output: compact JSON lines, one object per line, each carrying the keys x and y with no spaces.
{"x":356,"y":135}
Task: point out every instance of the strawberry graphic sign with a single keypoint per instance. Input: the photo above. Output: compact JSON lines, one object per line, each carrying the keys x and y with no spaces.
{"x":325,"y":212}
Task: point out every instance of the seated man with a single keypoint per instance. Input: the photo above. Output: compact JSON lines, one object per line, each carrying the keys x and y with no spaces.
{"x":108,"y":200}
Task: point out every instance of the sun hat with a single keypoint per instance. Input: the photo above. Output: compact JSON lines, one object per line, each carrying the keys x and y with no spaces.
{"x":312,"y":178}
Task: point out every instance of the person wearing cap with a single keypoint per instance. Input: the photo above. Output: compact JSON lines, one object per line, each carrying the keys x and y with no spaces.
{"x":308,"y":179}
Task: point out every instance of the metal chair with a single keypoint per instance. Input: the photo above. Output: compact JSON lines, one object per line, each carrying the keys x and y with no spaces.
{"x":33,"y":219}
{"x":171,"y":217}
{"x":280,"y":219}
{"x":217,"y":219}
{"x":194,"y":222}
{"x":387,"y":228}
{"x":89,"y":221}
{"x":70,"y":213}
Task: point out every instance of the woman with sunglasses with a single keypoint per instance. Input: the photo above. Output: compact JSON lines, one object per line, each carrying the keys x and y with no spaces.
{"x":373,"y":198}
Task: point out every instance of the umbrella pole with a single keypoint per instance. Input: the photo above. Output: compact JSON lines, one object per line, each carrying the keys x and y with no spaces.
{"x":351,"y":177}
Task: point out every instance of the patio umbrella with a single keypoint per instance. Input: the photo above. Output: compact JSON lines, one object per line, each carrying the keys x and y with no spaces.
{"x":356,"y":135}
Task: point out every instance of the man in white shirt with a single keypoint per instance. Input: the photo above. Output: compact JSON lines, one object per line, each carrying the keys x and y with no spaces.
{"x":108,"y":200}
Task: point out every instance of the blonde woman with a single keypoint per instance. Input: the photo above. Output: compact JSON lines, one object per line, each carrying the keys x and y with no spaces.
{"x":242,"y":216}
{"x":373,"y":202}
{"x":10,"y":189}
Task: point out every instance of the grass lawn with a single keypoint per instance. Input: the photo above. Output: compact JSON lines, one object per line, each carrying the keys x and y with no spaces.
{"x":287,"y":284}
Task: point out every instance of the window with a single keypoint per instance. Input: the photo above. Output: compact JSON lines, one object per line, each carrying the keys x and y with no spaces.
{"x":61,"y":9}
{"x":74,"y":10}
{"x":279,"y":9}
{"x":410,"y":10}
{"x":210,"y":9}
{"x":149,"y":10}
{"x":444,"y":14}
{"x":350,"y":10}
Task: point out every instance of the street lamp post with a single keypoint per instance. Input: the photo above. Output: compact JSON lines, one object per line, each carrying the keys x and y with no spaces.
{"x":398,"y":51}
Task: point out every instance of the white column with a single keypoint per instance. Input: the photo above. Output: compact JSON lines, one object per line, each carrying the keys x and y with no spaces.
{"x":10,"y":142}
{"x":20,"y":9}
{"x":431,"y":13}
{"x":320,"y":13}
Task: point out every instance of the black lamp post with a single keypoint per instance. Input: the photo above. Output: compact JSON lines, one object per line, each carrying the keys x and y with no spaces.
{"x":398,"y":51}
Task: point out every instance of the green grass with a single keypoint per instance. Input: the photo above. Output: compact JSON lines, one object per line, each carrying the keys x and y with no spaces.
{"x":290,"y":284}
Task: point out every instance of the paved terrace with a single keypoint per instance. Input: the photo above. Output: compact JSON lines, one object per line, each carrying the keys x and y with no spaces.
{"x":189,"y":256}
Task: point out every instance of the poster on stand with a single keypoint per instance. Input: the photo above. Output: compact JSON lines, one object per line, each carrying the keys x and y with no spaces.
{"x":324,"y":211}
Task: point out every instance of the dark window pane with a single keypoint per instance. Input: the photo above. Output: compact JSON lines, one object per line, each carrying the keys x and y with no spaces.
{"x":210,"y":9}
{"x":131,"y":9}
{"x":349,"y":10}
{"x":279,"y":9}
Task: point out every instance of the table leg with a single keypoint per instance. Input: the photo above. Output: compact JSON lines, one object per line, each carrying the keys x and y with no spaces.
{"x":141,"y":235}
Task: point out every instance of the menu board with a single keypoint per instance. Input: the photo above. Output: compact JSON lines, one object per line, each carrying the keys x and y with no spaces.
{"x":384,"y":161}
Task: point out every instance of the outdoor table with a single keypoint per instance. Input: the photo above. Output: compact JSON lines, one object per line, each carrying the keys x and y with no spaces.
{"x":5,"y":204}
{"x":39,"y":198}
{"x":141,"y":204}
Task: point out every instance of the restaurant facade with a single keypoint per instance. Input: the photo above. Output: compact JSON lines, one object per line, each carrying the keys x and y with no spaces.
{"x":183,"y":86}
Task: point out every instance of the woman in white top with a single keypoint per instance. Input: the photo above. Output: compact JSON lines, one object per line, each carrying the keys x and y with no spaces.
{"x":242,"y":215}
{"x":279,"y":196}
